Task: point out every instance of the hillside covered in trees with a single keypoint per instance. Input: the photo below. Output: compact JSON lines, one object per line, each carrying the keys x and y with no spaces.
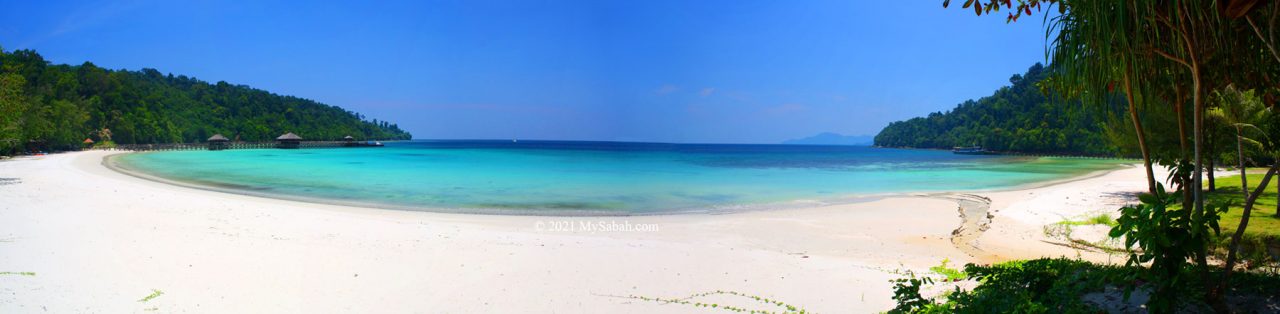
{"x":46,"y":106}
{"x":1016,"y":118}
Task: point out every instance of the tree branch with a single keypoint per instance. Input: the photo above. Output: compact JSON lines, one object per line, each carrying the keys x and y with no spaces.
{"x":1270,"y":47}
{"x":1244,"y":223}
{"x":1171,"y":57}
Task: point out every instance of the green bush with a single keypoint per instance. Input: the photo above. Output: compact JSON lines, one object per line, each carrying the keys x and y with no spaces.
{"x":1164,"y":237}
{"x":1058,"y":285}
{"x":1033,"y":286}
{"x":104,"y":145}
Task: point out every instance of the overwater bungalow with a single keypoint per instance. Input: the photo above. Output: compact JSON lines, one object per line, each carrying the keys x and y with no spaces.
{"x":218,"y":142}
{"x":288,"y":140}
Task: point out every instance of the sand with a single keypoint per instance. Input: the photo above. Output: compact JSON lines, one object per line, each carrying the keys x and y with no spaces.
{"x":101,"y":241}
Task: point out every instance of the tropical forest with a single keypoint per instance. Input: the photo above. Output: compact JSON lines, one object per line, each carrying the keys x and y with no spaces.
{"x":49,"y":107}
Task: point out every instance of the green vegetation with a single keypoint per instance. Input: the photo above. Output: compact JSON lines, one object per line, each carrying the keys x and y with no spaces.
{"x":23,"y":273}
{"x":948,"y":273}
{"x":1019,"y":118}
{"x":1100,"y":219}
{"x":104,"y":144}
{"x":1064,"y":230}
{"x":1263,"y":225}
{"x":1165,"y":239}
{"x":1197,"y":79}
{"x":1263,"y":231}
{"x":774,"y":306}
{"x":154,"y":294}
{"x":56,"y":107}
{"x":1035,"y":286}
{"x":1062,"y":286}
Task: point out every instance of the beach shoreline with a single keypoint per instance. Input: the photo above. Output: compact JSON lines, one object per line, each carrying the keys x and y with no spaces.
{"x":101,"y":240}
{"x":111,"y":161}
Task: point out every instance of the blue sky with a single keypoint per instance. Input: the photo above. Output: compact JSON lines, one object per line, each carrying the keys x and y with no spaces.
{"x":665,"y":71}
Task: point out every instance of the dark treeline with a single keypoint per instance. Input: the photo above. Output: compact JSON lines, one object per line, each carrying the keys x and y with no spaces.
{"x":55,"y":107}
{"x":1016,"y":118}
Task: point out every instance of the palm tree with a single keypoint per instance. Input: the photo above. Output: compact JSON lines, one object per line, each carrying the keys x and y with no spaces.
{"x":1105,"y":47}
{"x":1241,"y":111}
{"x":1100,"y":48}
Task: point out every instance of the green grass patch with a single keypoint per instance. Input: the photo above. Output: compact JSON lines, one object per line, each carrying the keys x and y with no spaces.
{"x":1262,"y":222}
{"x":154,"y":294}
{"x":17,"y":273}
{"x":1101,"y":219}
{"x":952,"y":274}
{"x":1264,"y":227}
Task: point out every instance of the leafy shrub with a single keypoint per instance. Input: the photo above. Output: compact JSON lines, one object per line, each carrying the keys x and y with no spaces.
{"x":1166,"y":237}
{"x":1032,"y":286}
{"x":104,"y":145}
{"x":906,"y":292}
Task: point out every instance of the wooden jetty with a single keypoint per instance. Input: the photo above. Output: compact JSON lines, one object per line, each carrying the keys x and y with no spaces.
{"x":241,"y":145}
{"x":219,"y":142}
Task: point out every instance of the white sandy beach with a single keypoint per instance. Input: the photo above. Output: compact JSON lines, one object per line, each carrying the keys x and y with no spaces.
{"x":100,"y":241}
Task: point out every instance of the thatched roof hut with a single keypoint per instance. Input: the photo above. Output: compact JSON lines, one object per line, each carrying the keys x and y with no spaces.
{"x":289,"y":137}
{"x":348,"y":138}
{"x":88,"y":141}
{"x":289,"y":140}
{"x":218,"y":142}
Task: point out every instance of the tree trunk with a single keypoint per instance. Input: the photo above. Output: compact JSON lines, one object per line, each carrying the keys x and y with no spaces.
{"x":1213,"y":186}
{"x":1197,"y":122}
{"x":1244,"y":223}
{"x":1182,"y":121}
{"x":1142,"y":138}
{"x":1214,"y":296}
{"x":1244,"y":178}
{"x":1184,"y":148}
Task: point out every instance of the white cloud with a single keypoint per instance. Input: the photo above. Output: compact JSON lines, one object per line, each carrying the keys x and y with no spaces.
{"x":707,"y":91}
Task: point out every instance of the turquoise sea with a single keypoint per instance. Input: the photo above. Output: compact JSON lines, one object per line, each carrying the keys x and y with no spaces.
{"x":559,"y":177}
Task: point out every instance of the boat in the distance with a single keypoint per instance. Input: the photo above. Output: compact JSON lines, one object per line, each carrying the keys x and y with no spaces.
{"x":971,"y":150}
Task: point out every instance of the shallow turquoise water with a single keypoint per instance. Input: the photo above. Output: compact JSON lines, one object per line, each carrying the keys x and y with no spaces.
{"x":596,"y":177}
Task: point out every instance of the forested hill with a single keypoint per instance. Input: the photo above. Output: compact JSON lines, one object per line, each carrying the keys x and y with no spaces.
{"x":46,"y":106}
{"x":1016,"y":118}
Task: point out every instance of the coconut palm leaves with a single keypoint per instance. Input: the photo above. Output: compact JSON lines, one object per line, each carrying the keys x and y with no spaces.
{"x":1094,"y":52}
{"x":1242,"y":112}
{"x":1173,"y":51}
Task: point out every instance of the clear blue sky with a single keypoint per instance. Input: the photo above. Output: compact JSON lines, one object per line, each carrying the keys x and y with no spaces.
{"x":668,"y":71}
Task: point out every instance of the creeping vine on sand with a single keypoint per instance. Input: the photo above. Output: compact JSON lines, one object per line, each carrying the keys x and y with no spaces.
{"x":783,"y":307}
{"x":154,"y":294}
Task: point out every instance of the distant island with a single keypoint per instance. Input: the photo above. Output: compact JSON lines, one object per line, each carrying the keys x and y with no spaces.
{"x":1020,"y":117}
{"x":829,"y":138}
{"x":47,"y":106}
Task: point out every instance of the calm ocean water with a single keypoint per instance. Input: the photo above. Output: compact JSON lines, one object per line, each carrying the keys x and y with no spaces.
{"x":557,"y":177}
